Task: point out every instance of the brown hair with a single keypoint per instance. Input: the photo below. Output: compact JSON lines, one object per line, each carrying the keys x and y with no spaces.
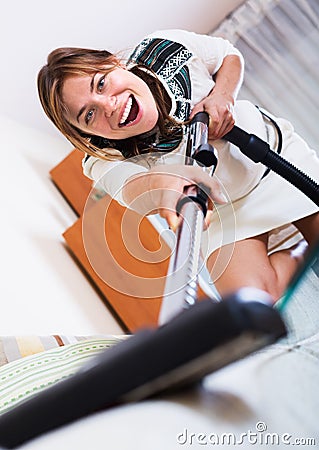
{"x":65,"y":62}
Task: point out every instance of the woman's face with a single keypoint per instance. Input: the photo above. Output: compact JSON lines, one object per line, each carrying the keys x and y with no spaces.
{"x":116,"y":105}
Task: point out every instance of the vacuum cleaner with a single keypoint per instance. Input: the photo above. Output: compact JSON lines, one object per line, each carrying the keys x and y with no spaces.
{"x":193,"y":339}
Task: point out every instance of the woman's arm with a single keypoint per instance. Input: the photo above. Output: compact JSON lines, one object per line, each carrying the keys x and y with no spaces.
{"x":225,"y":64}
{"x":158,"y":190}
{"x":220,"y":102}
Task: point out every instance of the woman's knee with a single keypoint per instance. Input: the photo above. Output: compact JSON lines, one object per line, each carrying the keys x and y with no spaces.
{"x":247,"y":264}
{"x":265,"y":280}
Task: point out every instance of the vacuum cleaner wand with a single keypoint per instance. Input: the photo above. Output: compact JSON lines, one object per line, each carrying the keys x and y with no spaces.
{"x":180,"y":290}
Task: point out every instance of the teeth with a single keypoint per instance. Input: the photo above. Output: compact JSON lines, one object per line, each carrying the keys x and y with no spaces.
{"x":126,"y":110}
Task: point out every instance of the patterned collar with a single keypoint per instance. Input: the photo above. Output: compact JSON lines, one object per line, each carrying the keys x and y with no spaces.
{"x":168,"y":60}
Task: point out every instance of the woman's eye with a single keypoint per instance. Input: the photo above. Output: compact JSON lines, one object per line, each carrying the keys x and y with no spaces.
{"x":100,"y":83}
{"x":89,"y":116}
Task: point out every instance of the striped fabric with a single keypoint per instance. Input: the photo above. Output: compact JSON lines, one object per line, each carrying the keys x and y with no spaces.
{"x":168,"y":60}
{"x":30,"y":364}
{"x":16,"y":347}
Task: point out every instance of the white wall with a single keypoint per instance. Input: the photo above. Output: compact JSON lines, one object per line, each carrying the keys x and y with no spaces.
{"x":31,"y":29}
{"x":42,"y":290}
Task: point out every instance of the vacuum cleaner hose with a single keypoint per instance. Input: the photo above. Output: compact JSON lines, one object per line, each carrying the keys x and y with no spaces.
{"x":259,"y":151}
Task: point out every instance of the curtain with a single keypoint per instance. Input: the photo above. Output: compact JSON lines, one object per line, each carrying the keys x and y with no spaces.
{"x":279,"y":40}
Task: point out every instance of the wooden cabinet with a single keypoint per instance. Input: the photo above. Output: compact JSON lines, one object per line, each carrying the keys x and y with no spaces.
{"x":69,"y":179}
{"x":120,"y":251}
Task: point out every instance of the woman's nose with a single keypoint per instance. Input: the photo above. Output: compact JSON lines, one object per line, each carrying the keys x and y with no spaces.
{"x":109,"y":104}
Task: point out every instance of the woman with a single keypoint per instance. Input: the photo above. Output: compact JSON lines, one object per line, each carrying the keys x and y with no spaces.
{"x":131,"y":120}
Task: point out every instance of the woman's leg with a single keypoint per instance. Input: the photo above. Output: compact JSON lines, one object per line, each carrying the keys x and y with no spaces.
{"x":247,"y":263}
{"x":309,"y":228}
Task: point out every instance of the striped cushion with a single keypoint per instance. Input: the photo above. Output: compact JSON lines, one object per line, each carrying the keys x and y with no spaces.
{"x":31,"y":364}
{"x":16,"y":347}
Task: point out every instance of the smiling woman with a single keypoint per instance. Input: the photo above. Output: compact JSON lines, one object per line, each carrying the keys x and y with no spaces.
{"x":113,"y":105}
{"x":95,"y":101}
{"x":141,"y":109}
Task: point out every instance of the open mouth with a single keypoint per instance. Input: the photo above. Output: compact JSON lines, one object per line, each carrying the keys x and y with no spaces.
{"x":130,"y":112}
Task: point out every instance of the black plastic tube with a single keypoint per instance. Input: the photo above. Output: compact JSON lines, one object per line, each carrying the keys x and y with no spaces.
{"x":259,"y":151}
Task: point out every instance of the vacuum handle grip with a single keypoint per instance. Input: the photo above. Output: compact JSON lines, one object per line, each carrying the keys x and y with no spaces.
{"x":202,"y":117}
{"x":198,"y":147}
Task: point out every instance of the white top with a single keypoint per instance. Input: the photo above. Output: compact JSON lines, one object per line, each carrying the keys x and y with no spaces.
{"x":255,"y":205}
{"x":237,"y":173}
